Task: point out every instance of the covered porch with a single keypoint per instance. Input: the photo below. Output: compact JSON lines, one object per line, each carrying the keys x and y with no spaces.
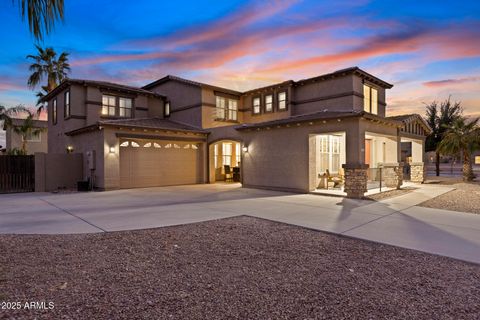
{"x":363,"y":159}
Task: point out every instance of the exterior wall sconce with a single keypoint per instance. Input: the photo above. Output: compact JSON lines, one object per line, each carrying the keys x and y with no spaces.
{"x":69,"y":149}
{"x":245,"y":149}
{"x":112,"y":149}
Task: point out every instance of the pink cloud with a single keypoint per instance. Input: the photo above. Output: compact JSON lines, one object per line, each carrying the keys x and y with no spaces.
{"x":449,"y":82}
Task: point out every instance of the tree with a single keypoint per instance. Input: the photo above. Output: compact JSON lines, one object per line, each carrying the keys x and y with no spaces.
{"x":27,"y":129}
{"x":463,"y":138}
{"x":439,"y":117}
{"x":46,"y":65}
{"x":6,"y":114}
{"x":41,"y":14}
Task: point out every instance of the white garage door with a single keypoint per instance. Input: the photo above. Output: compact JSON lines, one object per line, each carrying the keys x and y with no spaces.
{"x":151,"y":163}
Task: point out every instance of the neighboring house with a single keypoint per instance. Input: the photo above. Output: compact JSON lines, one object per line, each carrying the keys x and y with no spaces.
{"x":286,"y":136}
{"x":35,"y":143}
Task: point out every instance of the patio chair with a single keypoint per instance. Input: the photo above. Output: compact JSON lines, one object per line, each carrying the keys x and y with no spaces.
{"x":228,"y":173}
{"x":336,"y":180}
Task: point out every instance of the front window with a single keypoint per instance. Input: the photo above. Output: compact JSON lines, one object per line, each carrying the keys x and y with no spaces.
{"x":108,"y":105}
{"x":256,"y":105}
{"x":232,"y":109}
{"x":221,"y":104}
{"x":54,"y":112}
{"x":67,"y":105}
{"x":329,"y":152}
{"x":31,"y":137}
{"x":227,"y":154}
{"x":269,"y":103}
{"x":282,"y":100}
{"x":125,"y":107}
{"x":226,"y":109}
{"x":167,"y":109}
{"x":238,"y":153}
{"x":370,"y":99}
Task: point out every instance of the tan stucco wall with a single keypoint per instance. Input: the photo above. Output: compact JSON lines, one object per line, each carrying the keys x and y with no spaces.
{"x":185,"y":101}
{"x":57,"y":171}
{"x":14,"y":140}
{"x":279,"y":158}
{"x":335,"y":94}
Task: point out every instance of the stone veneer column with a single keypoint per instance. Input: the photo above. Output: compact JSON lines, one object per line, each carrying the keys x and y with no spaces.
{"x":418,"y":172}
{"x":393,"y":175}
{"x":355,"y":180}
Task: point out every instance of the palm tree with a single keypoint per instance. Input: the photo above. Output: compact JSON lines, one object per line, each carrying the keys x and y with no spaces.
{"x":27,"y":129}
{"x":6,"y":114}
{"x":41,"y":14}
{"x":462,"y":138}
{"x":46,"y":65}
{"x":439,"y":118}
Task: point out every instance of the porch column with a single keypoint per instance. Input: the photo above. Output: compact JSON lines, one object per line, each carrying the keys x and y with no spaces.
{"x":418,"y":172}
{"x":392,"y":169}
{"x":393,"y":175}
{"x":355,"y":168}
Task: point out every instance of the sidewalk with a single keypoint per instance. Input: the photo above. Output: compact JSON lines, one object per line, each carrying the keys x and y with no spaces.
{"x":395,"y":221}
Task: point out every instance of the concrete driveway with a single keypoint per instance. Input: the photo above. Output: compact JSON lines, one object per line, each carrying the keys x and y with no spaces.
{"x":397,"y":221}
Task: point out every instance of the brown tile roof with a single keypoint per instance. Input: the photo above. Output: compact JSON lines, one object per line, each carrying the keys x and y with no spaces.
{"x":153,"y":123}
{"x":321,"y":115}
{"x":101,"y":84}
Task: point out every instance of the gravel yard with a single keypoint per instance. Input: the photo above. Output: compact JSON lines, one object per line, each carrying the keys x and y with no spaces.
{"x":237,"y":268}
{"x":465,"y":198}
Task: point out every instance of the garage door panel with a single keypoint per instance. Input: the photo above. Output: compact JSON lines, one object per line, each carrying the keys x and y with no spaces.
{"x":149,"y":166}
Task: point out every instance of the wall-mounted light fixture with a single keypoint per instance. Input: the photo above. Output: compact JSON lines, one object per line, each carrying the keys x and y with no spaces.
{"x":245,"y":149}
{"x":112,"y":149}
{"x":69,"y":149}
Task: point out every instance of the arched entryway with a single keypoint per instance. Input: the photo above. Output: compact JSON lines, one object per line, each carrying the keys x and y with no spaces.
{"x":225,"y":158}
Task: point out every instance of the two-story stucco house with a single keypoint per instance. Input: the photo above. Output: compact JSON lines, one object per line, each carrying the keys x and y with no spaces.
{"x":291,"y":136}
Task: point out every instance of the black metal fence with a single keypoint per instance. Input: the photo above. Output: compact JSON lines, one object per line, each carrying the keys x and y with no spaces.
{"x":17,"y":174}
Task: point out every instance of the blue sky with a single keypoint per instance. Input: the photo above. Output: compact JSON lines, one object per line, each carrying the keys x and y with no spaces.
{"x":427,"y":49}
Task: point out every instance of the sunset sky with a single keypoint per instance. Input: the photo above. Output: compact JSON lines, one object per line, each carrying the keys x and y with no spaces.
{"x":428,"y":51}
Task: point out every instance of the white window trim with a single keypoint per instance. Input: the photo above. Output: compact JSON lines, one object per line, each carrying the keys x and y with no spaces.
{"x":267,"y":104}
{"x":256,"y":105}
{"x":279,"y":101}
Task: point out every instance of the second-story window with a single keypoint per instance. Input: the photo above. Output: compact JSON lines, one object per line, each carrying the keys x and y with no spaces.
{"x":269,"y":103}
{"x":54,"y":111}
{"x":232,"y":110}
{"x":221,"y":106}
{"x":66,"y":110}
{"x":370,"y":99}
{"x":282,"y":100}
{"x":125,"y":107}
{"x":226,"y":109}
{"x":166,"y":112}
{"x":108,"y":105}
{"x":256,"y":105}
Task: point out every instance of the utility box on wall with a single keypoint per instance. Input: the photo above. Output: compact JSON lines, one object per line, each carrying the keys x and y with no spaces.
{"x":91,"y":159}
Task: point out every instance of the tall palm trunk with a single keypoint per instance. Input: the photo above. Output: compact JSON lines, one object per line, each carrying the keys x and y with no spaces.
{"x":467,"y":167}
{"x":24,"y":145}
{"x":437,"y":163}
